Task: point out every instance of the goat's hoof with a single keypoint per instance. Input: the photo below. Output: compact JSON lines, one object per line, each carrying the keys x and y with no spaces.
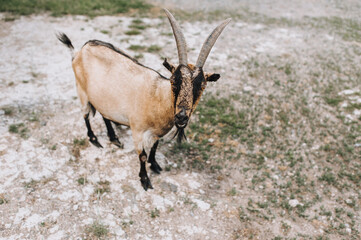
{"x":95,"y":142}
{"x":116,"y":142}
{"x":146,"y":183}
{"x":155,"y":167}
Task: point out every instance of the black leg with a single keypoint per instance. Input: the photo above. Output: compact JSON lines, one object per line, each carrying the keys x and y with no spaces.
{"x":153,"y":163}
{"x":111,"y":134}
{"x":144,"y":179}
{"x":92,"y":138}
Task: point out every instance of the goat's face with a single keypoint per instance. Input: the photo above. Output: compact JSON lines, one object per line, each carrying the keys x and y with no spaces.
{"x":188,"y":83}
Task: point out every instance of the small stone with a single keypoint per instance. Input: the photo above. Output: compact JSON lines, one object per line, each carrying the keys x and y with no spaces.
{"x":247,"y":88}
{"x":294,"y":202}
{"x":169,"y":187}
{"x":202,"y":205}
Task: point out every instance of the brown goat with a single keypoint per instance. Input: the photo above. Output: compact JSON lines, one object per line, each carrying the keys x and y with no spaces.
{"x":125,"y":92}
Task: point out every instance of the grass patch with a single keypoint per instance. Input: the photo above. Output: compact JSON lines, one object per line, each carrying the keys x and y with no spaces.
{"x":139,"y":27}
{"x":80,"y":7}
{"x":96,"y":231}
{"x":333,"y":101}
{"x":82,"y":180}
{"x":154,"y":213}
{"x":80,"y":142}
{"x":20,"y":129}
{"x":102,"y":187}
{"x":132,"y":32}
{"x":154,"y":48}
{"x":8,"y":111}
{"x":3,"y":200}
{"x":137,"y":47}
{"x":105,"y":31}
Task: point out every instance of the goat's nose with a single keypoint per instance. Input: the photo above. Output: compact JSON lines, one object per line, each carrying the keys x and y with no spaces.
{"x":182,"y":117}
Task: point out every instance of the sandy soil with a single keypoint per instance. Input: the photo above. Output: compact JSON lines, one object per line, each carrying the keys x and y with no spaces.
{"x":40,"y":169}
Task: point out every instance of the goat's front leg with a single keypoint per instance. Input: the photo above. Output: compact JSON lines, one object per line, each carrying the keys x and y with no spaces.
{"x":92,"y":138}
{"x":111,"y":134}
{"x":153,"y":163}
{"x":144,"y":179}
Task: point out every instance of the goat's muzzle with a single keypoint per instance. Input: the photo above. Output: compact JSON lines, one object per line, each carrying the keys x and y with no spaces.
{"x":181,"y":119}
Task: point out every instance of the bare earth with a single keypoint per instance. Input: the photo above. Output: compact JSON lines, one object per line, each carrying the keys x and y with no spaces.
{"x":42,"y":167}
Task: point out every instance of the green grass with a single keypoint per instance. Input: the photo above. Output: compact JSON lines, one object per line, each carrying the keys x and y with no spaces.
{"x":8,"y":111}
{"x":3,"y":200}
{"x":20,"y":129}
{"x":154,"y":48}
{"x":137,"y":47}
{"x":80,"y":142}
{"x":96,"y":231}
{"x":102,"y":187}
{"x":82,"y":180}
{"x":154,"y":213}
{"x":79,"y":7}
{"x":132,"y":32}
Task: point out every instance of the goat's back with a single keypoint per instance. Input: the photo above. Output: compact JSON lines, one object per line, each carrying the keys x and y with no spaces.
{"x":120,"y":88}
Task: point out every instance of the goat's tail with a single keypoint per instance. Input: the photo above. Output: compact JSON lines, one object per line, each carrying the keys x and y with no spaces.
{"x":66,"y":41}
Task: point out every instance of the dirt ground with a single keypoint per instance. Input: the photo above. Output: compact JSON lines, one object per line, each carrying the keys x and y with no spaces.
{"x":55,"y":185}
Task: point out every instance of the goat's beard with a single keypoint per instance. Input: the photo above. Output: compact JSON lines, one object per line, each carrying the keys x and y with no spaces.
{"x":180,"y":134}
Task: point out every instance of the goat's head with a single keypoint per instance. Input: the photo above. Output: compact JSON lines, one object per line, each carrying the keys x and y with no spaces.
{"x":188,"y":81}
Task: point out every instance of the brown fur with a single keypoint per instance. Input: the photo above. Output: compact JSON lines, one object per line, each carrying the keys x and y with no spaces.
{"x":139,"y":97}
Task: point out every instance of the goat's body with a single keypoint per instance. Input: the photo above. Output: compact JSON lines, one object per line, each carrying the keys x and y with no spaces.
{"x":128,"y":93}
{"x":139,"y":97}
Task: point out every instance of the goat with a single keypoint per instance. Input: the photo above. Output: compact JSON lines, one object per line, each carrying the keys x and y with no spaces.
{"x":126,"y":92}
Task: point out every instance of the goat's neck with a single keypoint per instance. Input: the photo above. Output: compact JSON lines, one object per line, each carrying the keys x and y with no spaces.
{"x":162,"y":107}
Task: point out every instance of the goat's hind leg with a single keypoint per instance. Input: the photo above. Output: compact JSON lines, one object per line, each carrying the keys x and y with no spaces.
{"x":144,"y":179}
{"x":153,"y":163}
{"x":92,"y":138}
{"x":111,"y":134}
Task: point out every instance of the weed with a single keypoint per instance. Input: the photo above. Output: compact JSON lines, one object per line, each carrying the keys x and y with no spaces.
{"x":20,"y":129}
{"x":80,"y":142}
{"x":139,"y":56}
{"x":34,"y":117}
{"x":132,"y":32}
{"x":3,"y":200}
{"x":96,"y":231}
{"x":137,"y":47}
{"x":154,"y":213}
{"x":154,"y":48}
{"x":139,"y":27}
{"x":82,"y":180}
{"x":8,"y":111}
{"x":285,"y":228}
{"x":232,"y":192}
{"x":32,"y":184}
{"x":137,"y":21}
{"x":328,"y":177}
{"x":102,"y":187}
{"x":105,"y":31}
{"x":333,"y":101}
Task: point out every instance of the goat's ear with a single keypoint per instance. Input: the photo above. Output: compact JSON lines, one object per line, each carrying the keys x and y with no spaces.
{"x":212,"y":77}
{"x":168,"y":66}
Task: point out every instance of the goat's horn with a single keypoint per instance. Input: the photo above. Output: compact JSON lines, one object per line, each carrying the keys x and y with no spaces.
{"x":208,"y":44}
{"x":179,"y":38}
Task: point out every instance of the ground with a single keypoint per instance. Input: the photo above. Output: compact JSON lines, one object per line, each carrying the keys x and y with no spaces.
{"x":273,"y":151}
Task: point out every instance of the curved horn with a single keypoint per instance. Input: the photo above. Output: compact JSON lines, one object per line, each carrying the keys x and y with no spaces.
{"x":208,"y":44}
{"x":179,"y":38}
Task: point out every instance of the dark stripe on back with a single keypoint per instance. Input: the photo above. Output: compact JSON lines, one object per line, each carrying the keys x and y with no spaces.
{"x":112,"y":47}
